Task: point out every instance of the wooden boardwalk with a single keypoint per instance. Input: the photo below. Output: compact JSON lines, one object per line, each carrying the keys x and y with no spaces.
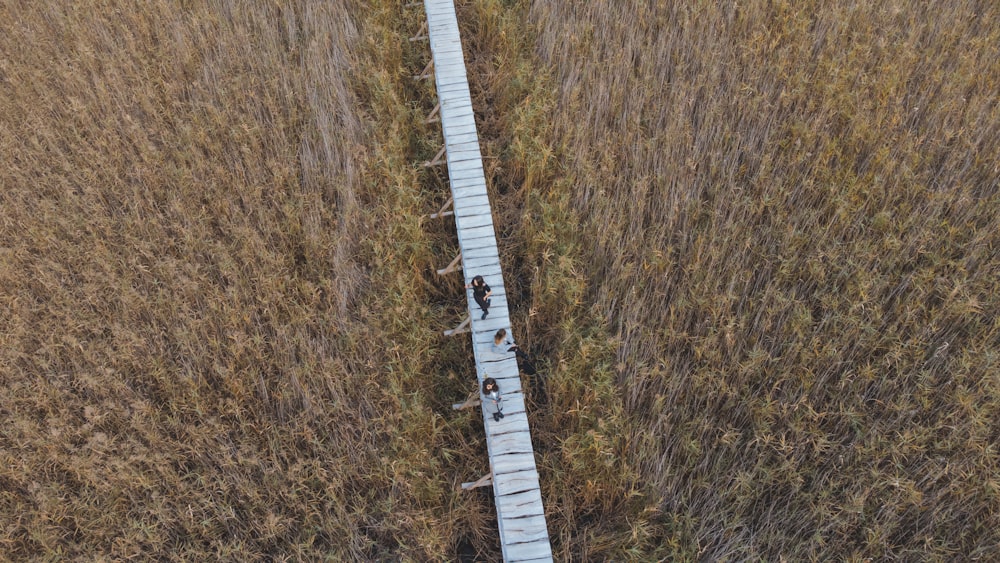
{"x":520,"y":516}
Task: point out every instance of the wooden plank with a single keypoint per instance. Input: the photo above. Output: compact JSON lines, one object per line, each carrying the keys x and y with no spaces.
{"x":511,"y":423}
{"x":467,"y":119}
{"x":466,"y":156}
{"x":449,"y":75}
{"x":513,"y":463}
{"x":450,"y":62}
{"x":491,"y":323}
{"x":512,"y":384}
{"x":509,"y":483}
{"x":515,"y":443}
{"x":466,"y":166}
{"x":472,"y":216}
{"x":496,"y":365}
{"x":477,"y":264}
{"x":472,"y":240}
{"x":472,"y":201}
{"x":459,"y":135}
{"x":463,"y":141}
{"x":468,"y":152}
{"x":469,"y":175}
{"x":529,"y":552}
{"x":447,"y":54}
{"x":440,"y":46}
{"x":477,"y":243}
{"x":469,"y":207}
{"x":476,"y":231}
{"x":463,"y":187}
{"x":448,"y":90}
{"x":453,"y":108}
{"x":446,"y":79}
{"x":483,"y":262}
{"x":498,"y":370}
{"x":524,"y":530}
{"x":526,"y":503}
{"x":480,"y":252}
{"x":474,"y":222}
{"x":464,"y":124}
{"x":473,"y":159}
{"x":472,"y":196}
{"x":452,"y":121}
{"x":488,"y":357}
{"x":456,"y":101}
{"x":469,"y":165}
{"x":442,"y":10}
{"x":442,"y":15}
{"x":467,"y":142}
{"x":472,"y":171}
{"x":468,"y":180}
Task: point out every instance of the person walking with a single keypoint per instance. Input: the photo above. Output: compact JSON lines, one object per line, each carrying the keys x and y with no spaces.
{"x":491,"y":394}
{"x":481,"y":293}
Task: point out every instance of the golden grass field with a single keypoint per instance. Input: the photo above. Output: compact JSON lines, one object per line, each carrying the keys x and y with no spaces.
{"x":753,"y":246}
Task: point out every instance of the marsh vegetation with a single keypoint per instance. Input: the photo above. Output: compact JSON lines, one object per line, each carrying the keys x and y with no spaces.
{"x":754,"y":247}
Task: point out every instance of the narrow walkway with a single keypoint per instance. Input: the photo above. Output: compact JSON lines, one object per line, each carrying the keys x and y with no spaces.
{"x":520,"y":516}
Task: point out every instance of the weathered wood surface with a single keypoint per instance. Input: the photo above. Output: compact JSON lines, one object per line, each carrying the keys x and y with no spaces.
{"x":520,"y":514}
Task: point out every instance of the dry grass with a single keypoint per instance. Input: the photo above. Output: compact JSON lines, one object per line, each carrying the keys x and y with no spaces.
{"x":778,"y":319}
{"x":755,"y":248}
{"x":209,"y":330}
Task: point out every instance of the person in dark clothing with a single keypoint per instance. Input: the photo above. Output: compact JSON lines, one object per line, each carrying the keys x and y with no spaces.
{"x":491,"y":394}
{"x":481,"y":293}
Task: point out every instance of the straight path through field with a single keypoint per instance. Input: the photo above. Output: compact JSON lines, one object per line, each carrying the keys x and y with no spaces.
{"x":520,"y":516}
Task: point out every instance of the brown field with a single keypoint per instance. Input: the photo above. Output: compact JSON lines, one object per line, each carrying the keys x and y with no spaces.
{"x":756,"y":250}
{"x":790,"y":235}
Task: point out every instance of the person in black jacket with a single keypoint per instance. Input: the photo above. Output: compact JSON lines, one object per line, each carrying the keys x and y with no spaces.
{"x":481,"y":293}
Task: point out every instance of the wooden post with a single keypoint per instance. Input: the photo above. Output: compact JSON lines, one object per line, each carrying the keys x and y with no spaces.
{"x":427,"y":72}
{"x":463,"y":327}
{"x":454,"y":266}
{"x":443,"y":211}
{"x":483,"y":481}
{"x":431,"y":118}
{"x":420,"y":34}
{"x":472,"y":401}
{"x":437,"y":159}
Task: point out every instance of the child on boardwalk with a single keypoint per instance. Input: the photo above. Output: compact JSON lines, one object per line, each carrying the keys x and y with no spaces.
{"x":502,"y":344}
{"x":481,"y":293}
{"x":491,"y":394}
